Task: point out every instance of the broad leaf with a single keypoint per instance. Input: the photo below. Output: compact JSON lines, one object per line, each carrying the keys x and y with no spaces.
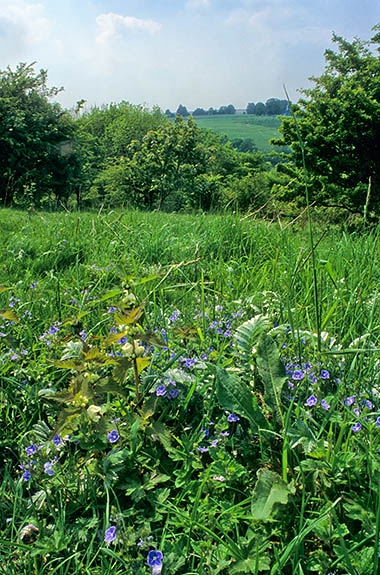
{"x":269,"y":490}
{"x":235,"y":396}
{"x":272,"y":372}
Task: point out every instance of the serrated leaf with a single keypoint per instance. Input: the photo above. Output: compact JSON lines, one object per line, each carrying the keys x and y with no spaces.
{"x":110,"y":387}
{"x":42,"y":430}
{"x":115,"y":337}
{"x":269,"y":490}
{"x":69,"y":364}
{"x":235,"y":396}
{"x":10,"y":315}
{"x":142,"y":363}
{"x":160,"y":431}
{"x":272,"y":372}
{"x":152,"y":338}
{"x":120,"y":371}
{"x":129,"y":317}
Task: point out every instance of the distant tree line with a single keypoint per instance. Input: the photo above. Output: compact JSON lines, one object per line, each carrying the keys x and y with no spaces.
{"x":272,"y":107}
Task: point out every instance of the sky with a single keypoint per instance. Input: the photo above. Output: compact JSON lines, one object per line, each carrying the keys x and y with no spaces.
{"x":198,"y":53}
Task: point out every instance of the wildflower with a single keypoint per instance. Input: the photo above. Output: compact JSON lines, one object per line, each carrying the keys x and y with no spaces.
{"x":349,"y":400}
{"x":324,"y":374}
{"x":110,"y":534}
{"x":325,"y":405}
{"x":173,"y":393}
{"x":48,"y":468}
{"x":28,"y":533}
{"x":312,"y":379}
{"x":26,"y":476}
{"x":154,"y":558}
{"x":312,"y":400}
{"x":205,"y":431}
{"x":203,"y":449}
{"x":298,"y":374}
{"x":232,"y":417}
{"x":378,"y":422}
{"x":214,"y":443}
{"x":31,"y":449}
{"x":224,"y":433}
{"x":356,"y":427}
{"x":113,"y":436}
{"x":219,"y":478}
{"x":161,"y":390}
{"x":57,"y":440}
{"x":34,"y":285}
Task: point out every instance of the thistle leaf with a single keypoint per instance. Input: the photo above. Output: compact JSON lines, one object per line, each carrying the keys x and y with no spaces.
{"x":272,"y":372}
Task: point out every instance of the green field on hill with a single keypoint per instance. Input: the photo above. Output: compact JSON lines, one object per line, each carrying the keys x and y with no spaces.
{"x":260,"y":129}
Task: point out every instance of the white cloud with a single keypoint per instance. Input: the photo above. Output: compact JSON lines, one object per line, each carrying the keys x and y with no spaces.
{"x":112,"y":26}
{"x":23,"y":23}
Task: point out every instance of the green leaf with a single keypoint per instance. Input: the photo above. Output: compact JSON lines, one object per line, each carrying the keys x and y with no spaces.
{"x":272,"y":372}
{"x":246,"y":336}
{"x":235,"y":396}
{"x":109,"y":386}
{"x":269,"y":490}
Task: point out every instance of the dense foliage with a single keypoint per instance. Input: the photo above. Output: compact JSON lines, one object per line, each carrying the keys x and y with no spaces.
{"x":338,"y":127}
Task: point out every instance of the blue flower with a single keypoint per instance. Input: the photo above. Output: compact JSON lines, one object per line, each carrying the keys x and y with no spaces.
{"x":113,"y":436}
{"x":298,"y":374}
{"x":356,"y":427}
{"x":324,"y":374}
{"x":312,"y":400}
{"x":349,"y":400}
{"x":110,"y":534}
{"x":161,"y":390}
{"x":325,"y":405}
{"x":31,"y":449}
{"x":203,"y":449}
{"x":26,"y":476}
{"x":232,"y":417}
{"x":154,"y":558}
{"x":57,"y":440}
{"x":48,"y":468}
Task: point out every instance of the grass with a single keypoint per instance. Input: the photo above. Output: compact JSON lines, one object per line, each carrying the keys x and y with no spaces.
{"x":179,"y":355}
{"x":260,"y":129}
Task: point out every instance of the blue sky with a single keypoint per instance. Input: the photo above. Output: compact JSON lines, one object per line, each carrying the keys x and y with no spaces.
{"x":166,"y":52}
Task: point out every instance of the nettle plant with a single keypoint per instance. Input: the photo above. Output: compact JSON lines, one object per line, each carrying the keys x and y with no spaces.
{"x":100,"y":371}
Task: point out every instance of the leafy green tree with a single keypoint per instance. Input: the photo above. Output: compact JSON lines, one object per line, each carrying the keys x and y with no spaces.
{"x":37,"y":149}
{"x":339,"y":125}
{"x":260,"y":109}
{"x":251,"y":108}
{"x":182,"y":111}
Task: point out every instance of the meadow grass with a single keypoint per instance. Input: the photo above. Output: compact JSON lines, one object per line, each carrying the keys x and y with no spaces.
{"x":260,"y":129}
{"x":229,"y":440}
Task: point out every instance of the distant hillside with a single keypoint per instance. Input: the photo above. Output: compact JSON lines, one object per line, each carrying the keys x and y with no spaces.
{"x":260,"y":129}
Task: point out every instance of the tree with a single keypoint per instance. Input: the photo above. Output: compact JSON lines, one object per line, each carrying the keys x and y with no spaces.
{"x":251,"y":108}
{"x":182,"y":111}
{"x":339,"y":125}
{"x":260,"y":109}
{"x":199,"y":112}
{"x":37,"y":151}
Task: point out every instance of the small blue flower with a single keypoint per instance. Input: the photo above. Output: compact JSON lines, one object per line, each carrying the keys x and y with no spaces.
{"x":325,"y":405}
{"x":110,"y":534}
{"x":233,"y":417}
{"x":298,"y":374}
{"x":324,"y":374}
{"x":349,"y":400}
{"x":161,"y":390}
{"x":31,"y":449}
{"x":154,"y":558}
{"x":113,"y":436}
{"x":48,"y":468}
{"x":378,"y":422}
{"x":312,"y":400}
{"x":356,"y":427}
{"x":57,"y":440}
{"x":26,"y":476}
{"x":203,"y":449}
